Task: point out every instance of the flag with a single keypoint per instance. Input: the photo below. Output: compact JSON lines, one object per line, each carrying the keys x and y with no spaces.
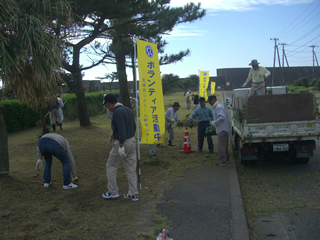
{"x":213,"y":88}
{"x":203,"y":85}
{"x":151,"y":103}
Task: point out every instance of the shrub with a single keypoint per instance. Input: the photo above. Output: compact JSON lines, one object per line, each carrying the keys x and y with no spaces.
{"x":304,"y":82}
{"x":316,"y":84}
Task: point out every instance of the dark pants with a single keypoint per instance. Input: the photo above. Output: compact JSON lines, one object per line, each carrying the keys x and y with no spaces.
{"x":201,"y":131}
{"x":49,"y":147}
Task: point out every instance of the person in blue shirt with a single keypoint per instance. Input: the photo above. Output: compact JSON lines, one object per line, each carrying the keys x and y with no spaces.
{"x":222,"y":128}
{"x":205,"y":116}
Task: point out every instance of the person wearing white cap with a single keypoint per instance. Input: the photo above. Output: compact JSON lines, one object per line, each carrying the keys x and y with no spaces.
{"x":258,"y":75}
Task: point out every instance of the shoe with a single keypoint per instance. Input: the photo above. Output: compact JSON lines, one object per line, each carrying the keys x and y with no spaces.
{"x":199,"y":150}
{"x":70,"y":186}
{"x":46,"y":185}
{"x":108,"y":195}
{"x":170,"y":144}
{"x":210,"y":151}
{"x":152,"y":155}
{"x":219,"y":164}
{"x":75,"y":180}
{"x":133,"y":198}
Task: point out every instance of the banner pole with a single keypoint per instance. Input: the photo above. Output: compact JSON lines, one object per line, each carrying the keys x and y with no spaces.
{"x":137,"y":107}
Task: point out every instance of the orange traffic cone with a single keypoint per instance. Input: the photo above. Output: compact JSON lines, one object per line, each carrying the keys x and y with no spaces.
{"x":187,"y":144}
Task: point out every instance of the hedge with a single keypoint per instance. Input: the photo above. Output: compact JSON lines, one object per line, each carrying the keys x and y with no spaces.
{"x":18,"y":116}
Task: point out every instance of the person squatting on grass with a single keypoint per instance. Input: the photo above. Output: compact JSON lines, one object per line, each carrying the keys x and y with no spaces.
{"x":123,"y":149}
{"x":221,"y":124}
{"x":52,"y":144}
{"x":204,"y":115}
{"x":172,"y":116}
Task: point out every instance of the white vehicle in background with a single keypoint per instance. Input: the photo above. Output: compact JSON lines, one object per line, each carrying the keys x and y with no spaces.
{"x":274,"y":126}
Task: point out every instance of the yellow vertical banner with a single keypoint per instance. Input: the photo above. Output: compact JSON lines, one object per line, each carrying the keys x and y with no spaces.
{"x":151,"y":103}
{"x":213,"y":88}
{"x":204,"y":83}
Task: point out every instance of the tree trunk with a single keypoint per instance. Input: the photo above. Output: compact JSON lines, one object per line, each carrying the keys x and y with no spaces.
{"x":4,"y":150}
{"x":123,"y":82}
{"x":81,"y":99}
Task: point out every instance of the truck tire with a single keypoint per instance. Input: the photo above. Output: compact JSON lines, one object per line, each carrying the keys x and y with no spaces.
{"x":235,"y":138}
{"x":240,"y":151}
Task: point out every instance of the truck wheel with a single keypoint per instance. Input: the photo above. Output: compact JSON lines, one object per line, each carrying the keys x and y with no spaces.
{"x":235,"y":138}
{"x":240,"y":152}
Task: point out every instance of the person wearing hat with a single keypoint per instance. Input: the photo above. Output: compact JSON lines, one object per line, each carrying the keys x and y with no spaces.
{"x":172,"y":116}
{"x":204,"y":115}
{"x":123,"y":149}
{"x":188,"y":99}
{"x":221,"y":124}
{"x":257,"y":74}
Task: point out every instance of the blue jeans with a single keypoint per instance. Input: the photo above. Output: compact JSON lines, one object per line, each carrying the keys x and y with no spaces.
{"x":49,"y":147}
{"x":201,"y":131}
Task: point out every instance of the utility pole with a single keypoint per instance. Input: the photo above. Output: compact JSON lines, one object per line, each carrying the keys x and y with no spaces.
{"x":283,"y":57}
{"x":314,"y":57}
{"x":276,"y":50}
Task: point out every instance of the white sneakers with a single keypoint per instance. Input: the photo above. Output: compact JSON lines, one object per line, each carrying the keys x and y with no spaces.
{"x":70,"y":186}
{"x":46,"y":185}
{"x":66,"y":187}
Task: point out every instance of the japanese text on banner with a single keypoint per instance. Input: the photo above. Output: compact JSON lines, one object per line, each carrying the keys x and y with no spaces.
{"x":151,"y":97}
{"x":203,"y":85}
{"x":213,"y":88}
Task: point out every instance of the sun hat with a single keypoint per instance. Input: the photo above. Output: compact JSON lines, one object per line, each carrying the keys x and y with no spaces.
{"x":254,"y":62}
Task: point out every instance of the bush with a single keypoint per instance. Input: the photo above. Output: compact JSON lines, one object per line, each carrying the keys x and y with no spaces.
{"x":304,"y":82}
{"x":297,"y":89}
{"x":18,"y":116}
{"x":316,"y":84}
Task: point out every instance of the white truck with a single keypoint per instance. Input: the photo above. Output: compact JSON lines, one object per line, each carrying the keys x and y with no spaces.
{"x":277,"y":126}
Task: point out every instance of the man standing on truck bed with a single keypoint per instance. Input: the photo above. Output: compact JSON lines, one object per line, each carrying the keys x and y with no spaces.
{"x":257,"y":75}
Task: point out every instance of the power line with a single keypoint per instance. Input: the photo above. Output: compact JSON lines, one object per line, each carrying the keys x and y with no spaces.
{"x":307,"y":43}
{"x":287,"y":34}
{"x":294,"y":20}
{"x":306,"y":34}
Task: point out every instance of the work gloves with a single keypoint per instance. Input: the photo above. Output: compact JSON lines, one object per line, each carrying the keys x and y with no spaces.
{"x":191,"y":124}
{"x":244,"y":85}
{"x":178,"y":123}
{"x":266,"y":75}
{"x":213,"y":125}
{"x":121,"y":151}
{"x":39,"y":164}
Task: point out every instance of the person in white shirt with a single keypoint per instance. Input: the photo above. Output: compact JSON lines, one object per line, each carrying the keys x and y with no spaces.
{"x":188,"y":99}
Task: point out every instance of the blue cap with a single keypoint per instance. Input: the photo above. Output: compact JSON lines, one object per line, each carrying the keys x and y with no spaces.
{"x":202,"y":99}
{"x":117,"y":95}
